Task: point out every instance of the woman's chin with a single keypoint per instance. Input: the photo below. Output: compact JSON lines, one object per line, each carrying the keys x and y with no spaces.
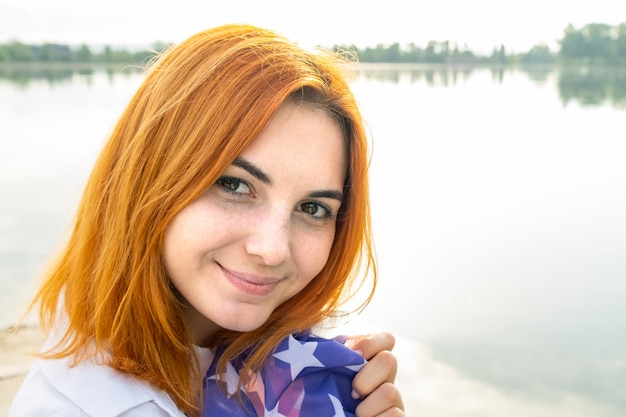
{"x":241,"y":324}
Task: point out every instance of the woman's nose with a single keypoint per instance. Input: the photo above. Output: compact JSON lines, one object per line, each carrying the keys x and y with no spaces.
{"x":269,"y":238}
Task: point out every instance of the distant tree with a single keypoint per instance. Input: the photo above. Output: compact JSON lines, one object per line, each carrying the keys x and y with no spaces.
{"x":432,"y":53}
{"x":413,"y":53}
{"x":373,"y":54}
{"x":84,"y":54}
{"x":538,"y":54}
{"x":468,"y":56}
{"x":594,"y":43}
{"x":51,"y":52}
{"x":620,"y":42}
{"x":456,"y":52}
{"x":107,"y":54}
{"x":572,"y":44}
{"x":598,"y":41}
{"x":4,"y":54}
{"x":20,"y":52}
{"x":498,"y":55}
{"x":393,"y":53}
{"x":122,"y":55}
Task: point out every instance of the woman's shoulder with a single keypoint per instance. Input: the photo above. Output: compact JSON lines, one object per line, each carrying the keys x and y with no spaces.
{"x":54,"y":388}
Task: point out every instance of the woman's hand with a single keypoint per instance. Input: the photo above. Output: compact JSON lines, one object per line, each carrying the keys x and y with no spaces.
{"x":375,"y":381}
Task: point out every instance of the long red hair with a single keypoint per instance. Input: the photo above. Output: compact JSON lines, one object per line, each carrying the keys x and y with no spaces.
{"x":200,"y":105}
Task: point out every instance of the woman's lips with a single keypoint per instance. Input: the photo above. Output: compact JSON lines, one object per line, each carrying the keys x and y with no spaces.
{"x":251,"y":284}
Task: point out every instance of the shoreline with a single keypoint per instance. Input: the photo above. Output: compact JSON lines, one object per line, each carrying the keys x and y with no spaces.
{"x":17,"y":355}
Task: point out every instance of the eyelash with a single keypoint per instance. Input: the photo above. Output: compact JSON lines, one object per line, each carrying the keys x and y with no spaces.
{"x":328,"y":213}
{"x":223,"y":180}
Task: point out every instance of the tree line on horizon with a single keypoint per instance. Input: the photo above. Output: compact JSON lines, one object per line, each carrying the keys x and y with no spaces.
{"x":594,"y":43}
{"x":18,"y":52}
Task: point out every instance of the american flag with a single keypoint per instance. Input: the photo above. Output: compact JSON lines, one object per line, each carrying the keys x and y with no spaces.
{"x":307,"y":376}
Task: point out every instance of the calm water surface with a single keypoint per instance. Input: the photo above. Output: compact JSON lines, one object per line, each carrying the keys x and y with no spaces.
{"x":499,"y":203}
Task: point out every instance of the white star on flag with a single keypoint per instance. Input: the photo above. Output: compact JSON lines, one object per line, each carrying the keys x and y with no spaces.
{"x":337,"y":407}
{"x":299,"y":356}
{"x":231,"y":379}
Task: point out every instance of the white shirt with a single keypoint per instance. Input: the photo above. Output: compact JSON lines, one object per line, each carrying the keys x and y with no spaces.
{"x":53,"y":389}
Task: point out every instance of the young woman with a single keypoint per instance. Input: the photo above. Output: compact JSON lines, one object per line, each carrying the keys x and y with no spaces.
{"x":227,"y":213}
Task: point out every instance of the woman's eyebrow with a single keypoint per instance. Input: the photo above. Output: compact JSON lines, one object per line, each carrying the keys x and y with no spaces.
{"x":253,"y":170}
{"x":334,"y":194}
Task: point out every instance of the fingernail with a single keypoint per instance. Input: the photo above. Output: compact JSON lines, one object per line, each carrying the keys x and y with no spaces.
{"x":355,"y":395}
{"x":349,"y":343}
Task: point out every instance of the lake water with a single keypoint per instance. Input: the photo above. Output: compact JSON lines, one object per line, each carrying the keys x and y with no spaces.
{"x":499,"y":201}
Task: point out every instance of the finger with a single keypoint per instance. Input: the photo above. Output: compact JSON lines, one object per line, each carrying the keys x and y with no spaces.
{"x":369,"y":345}
{"x":385,"y":401}
{"x":381,"y":369}
{"x":392,"y":412}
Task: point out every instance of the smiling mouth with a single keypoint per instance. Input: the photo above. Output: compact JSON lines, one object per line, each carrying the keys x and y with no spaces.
{"x":249,"y":284}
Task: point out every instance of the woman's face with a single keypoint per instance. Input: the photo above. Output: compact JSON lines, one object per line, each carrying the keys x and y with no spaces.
{"x":264,"y":230}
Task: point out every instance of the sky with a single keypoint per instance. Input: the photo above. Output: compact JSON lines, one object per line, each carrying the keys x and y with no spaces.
{"x":481,"y":25}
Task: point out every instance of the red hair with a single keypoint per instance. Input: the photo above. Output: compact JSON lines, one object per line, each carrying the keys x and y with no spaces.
{"x":199,"y":106}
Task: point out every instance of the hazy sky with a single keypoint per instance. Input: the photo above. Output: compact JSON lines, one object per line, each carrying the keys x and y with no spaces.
{"x":481,"y":24}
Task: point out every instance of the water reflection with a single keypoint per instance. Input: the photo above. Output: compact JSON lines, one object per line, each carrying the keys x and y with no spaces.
{"x":507,"y":234}
{"x":24,"y":75}
{"x":587,"y":86}
{"x":593,"y":86}
{"x":504,"y":250}
{"x":432,"y":76}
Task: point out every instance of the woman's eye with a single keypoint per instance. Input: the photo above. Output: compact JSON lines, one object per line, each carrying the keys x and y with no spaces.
{"x":316,"y":210}
{"x":233,"y":185}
